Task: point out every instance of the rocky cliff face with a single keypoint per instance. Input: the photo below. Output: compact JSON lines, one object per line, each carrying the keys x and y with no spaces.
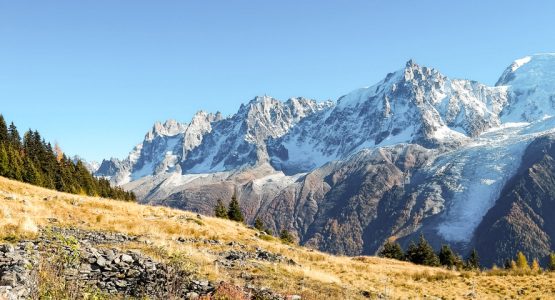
{"x":417,"y":152}
{"x":524,"y":210}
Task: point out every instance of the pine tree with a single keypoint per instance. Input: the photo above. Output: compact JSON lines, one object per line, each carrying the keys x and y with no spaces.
{"x":446,"y":256}
{"x":521,"y":261}
{"x":507,"y":265}
{"x":422,"y":253}
{"x":13,"y":135}
{"x":15,"y":169}
{"x":3,"y":130}
{"x":30,"y":173}
{"x":220,"y":210}
{"x":392,"y":250}
{"x":473,"y":261}
{"x":4,"y":163}
{"x":286,"y":237}
{"x":234,"y":212}
{"x":258,"y":224}
{"x":551,"y":265}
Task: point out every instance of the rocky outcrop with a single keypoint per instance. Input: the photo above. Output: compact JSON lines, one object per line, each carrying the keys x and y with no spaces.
{"x":524,"y":210}
{"x":86,"y":262}
{"x":17,"y":280}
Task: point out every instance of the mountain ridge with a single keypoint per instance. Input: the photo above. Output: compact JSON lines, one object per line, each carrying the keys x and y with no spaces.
{"x":293,"y":163}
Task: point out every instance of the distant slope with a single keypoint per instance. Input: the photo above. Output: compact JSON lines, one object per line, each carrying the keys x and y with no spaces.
{"x":524,"y":210}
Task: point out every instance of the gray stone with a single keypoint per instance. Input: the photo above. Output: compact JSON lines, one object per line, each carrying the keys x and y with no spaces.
{"x":126,"y":258}
{"x":6,"y":248}
{"x":133,"y":273}
{"x":100,"y":261}
{"x":8,"y":279}
{"x":121,"y":283}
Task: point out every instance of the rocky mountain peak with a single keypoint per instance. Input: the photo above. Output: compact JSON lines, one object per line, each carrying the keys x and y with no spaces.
{"x":169,"y":128}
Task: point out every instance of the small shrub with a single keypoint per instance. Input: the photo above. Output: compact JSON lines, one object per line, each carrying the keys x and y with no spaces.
{"x":266,"y":237}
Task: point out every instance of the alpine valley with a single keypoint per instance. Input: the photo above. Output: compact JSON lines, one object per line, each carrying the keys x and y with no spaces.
{"x":464,"y":163}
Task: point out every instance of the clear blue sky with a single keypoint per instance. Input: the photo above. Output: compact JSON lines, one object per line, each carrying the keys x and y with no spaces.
{"x":95,"y":75}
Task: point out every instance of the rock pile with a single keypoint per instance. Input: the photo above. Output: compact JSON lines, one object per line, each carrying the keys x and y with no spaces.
{"x":86,"y":260}
{"x":17,"y":278}
{"x":234,"y":258}
{"x":131,"y":273}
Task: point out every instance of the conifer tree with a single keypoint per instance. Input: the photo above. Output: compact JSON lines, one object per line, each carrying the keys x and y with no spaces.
{"x":258,"y":224}
{"x":392,"y":250}
{"x":220,"y":210}
{"x":446,"y":256}
{"x":473,"y":261}
{"x":3,"y":130}
{"x":30,"y":173}
{"x":286,"y":236}
{"x":422,"y":253}
{"x":234,"y":212}
{"x":507,"y":264}
{"x":15,"y":164}
{"x":4,"y":163}
{"x":13,"y":135}
{"x":521,"y":261}
{"x":551,"y":263}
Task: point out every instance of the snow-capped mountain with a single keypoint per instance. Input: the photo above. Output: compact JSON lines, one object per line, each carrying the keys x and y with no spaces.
{"x":211,"y":143}
{"x":532,"y":93}
{"x":413,"y":105}
{"x":416,"y":152}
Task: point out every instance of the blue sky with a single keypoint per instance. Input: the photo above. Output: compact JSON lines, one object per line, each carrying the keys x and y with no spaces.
{"x":95,"y":75}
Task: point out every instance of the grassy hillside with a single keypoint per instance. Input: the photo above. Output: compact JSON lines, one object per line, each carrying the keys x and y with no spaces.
{"x":25,"y":208}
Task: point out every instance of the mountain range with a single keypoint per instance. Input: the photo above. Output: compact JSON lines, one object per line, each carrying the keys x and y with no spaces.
{"x":462,"y":162}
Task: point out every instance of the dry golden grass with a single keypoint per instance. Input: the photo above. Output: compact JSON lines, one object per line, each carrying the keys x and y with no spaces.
{"x":23,"y":208}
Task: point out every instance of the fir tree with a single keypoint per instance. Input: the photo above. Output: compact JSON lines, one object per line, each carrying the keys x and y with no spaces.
{"x":13,"y":135}
{"x":473,"y":261}
{"x":4,"y":163}
{"x":521,"y":261}
{"x":286,"y":237}
{"x":3,"y":130}
{"x":422,"y":253}
{"x":258,"y":224}
{"x":507,"y":265}
{"x":392,"y":250}
{"x":234,"y":212}
{"x":30,"y":173}
{"x":446,"y":256}
{"x":551,"y":263}
{"x":15,"y":169}
{"x":220,"y":210}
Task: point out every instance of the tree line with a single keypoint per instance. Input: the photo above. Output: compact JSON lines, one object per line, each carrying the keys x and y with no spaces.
{"x":32,"y":160}
{"x":422,"y":253}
